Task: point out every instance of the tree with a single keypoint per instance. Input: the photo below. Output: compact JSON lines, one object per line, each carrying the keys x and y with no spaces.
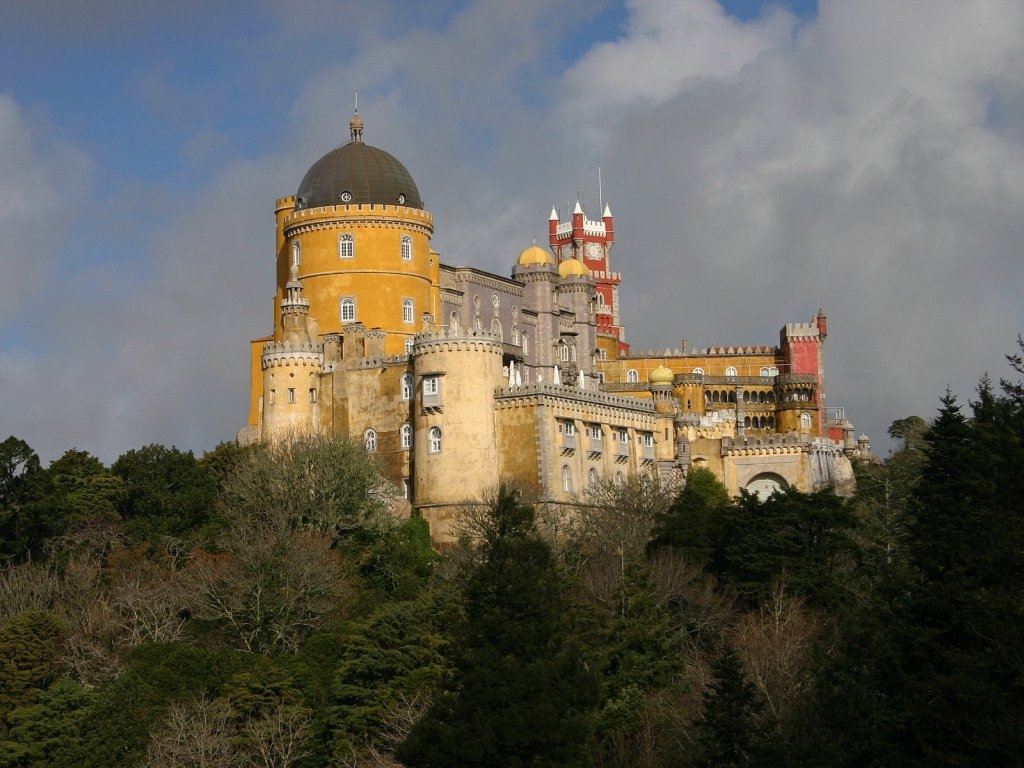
{"x":166,"y":490}
{"x":29,"y":653}
{"x":804,"y":537}
{"x":729,"y":735}
{"x":688,"y":525}
{"x":22,"y":481}
{"x":518,"y":694}
{"x":326,"y":486}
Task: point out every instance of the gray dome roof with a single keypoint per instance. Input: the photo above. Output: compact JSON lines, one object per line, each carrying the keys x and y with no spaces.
{"x":357,"y":173}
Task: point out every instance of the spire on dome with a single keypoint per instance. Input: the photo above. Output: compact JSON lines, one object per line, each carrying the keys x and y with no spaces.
{"x":355,"y":125}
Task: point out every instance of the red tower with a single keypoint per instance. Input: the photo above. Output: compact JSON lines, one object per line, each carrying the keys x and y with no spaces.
{"x":591,"y":243}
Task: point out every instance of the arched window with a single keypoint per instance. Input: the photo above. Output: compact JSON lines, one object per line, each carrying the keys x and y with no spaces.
{"x":408,"y":346}
{"x":453,"y":323}
{"x":526,"y":344}
{"x":566,"y":479}
{"x":406,"y":248}
{"x":592,"y":479}
{"x":764,"y":372}
{"x":434,"y":439}
{"x":406,"y":436}
{"x":346,"y":247}
{"x":370,"y":440}
{"x":496,"y":328}
{"x":348,"y":309}
{"x":296,"y":253}
{"x":773,"y":371}
{"x":620,"y":478}
{"x":698,"y":371}
{"x":407,"y":386}
{"x":407,"y":310}
{"x":563,"y":351}
{"x":515,"y":335}
{"x":805,"y":421}
{"x":730,"y":371}
{"x":632,"y":377}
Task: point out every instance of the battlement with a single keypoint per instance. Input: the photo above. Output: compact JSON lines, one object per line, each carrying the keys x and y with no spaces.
{"x":779,"y":443}
{"x":572,"y":392}
{"x":800,"y":331}
{"x":706,"y":352}
{"x":457,"y":340}
{"x":379,"y":213}
{"x":564,"y":229}
{"x":278,"y":353}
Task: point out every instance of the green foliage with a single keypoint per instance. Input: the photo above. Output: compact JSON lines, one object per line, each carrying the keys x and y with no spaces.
{"x":400,"y":562}
{"x":45,"y":734}
{"x":325,"y":486}
{"x":390,"y":666}
{"x":803,"y":537}
{"x":84,"y":491}
{"x":518,"y":694}
{"x":24,"y":526}
{"x":166,"y":491}
{"x":123,"y":713}
{"x":729,"y":734}
{"x":29,"y":652}
{"x":688,"y":526}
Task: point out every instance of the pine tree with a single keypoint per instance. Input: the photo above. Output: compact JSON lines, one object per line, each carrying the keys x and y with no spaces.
{"x":729,"y":732}
{"x":518,"y":694}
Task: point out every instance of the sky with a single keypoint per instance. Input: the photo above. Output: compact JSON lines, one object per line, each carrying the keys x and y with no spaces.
{"x":760,"y":158}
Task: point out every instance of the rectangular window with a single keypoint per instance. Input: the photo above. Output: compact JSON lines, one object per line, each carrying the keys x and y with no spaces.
{"x":346,"y":247}
{"x":272,"y":396}
{"x":431,"y":391}
{"x":348,"y":309}
{"x":312,"y":395}
{"x":291,"y":394}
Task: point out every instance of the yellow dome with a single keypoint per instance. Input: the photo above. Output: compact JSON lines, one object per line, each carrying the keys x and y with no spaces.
{"x":573,"y":267}
{"x":535,"y":255}
{"x":661,"y":375}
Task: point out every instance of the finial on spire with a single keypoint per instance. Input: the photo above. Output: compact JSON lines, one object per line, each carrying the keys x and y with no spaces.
{"x":355,"y":125}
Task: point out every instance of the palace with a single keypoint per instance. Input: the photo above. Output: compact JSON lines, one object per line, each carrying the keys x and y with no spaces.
{"x":457,"y":378}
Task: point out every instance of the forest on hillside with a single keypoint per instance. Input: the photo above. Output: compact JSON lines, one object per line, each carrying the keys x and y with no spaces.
{"x":259,"y":607}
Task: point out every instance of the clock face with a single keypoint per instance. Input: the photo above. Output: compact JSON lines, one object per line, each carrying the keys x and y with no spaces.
{"x":401,"y":199}
{"x":346,"y":197}
{"x":594,"y":251}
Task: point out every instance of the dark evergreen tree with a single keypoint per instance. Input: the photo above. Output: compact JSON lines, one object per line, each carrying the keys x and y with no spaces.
{"x":688,"y":526}
{"x":518,"y":694}
{"x":166,"y":491}
{"x":729,"y":733}
{"x":23,"y":530}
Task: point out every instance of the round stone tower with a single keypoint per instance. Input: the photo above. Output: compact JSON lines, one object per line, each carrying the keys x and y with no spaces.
{"x":357,"y":231}
{"x":455,"y":442}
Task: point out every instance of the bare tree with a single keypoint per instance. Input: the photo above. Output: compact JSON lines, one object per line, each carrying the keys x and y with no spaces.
{"x":279,"y":738}
{"x":269,"y":588}
{"x":775,"y":644}
{"x":194,"y":734}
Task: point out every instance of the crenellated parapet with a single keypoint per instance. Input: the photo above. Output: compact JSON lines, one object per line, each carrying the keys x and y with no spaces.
{"x":568,"y":392}
{"x":279,"y":353}
{"x":457,"y":340}
{"x":300,"y":221}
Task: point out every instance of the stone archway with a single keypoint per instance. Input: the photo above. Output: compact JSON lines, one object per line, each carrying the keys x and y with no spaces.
{"x":766,"y":484}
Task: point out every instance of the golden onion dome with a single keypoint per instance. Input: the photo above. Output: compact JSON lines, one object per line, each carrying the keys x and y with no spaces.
{"x":573,"y":267}
{"x":535,"y":255}
{"x":661,"y":375}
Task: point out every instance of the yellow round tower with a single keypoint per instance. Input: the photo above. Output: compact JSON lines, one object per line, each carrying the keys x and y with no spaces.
{"x":357,"y":231}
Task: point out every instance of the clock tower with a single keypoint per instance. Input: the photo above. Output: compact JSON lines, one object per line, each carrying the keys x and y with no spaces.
{"x":590,"y":242}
